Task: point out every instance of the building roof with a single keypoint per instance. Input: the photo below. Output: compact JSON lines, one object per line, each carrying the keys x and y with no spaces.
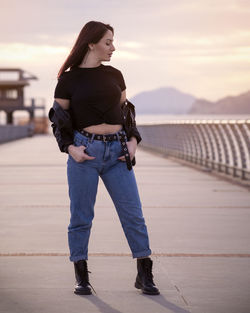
{"x":20,"y":79}
{"x":14,"y":83}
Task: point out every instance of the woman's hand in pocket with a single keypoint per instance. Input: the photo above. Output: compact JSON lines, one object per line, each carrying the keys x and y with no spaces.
{"x":132,"y":146}
{"x":78,"y":154}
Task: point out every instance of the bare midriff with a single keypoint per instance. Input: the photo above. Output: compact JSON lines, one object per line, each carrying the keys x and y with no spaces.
{"x":103,"y":129}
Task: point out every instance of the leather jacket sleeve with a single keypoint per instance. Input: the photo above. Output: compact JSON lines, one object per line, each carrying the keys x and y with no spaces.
{"x":129,"y":121}
{"x":61,"y":126}
{"x":135,"y":133}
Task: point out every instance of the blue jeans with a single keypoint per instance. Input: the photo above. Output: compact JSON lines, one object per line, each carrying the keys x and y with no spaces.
{"x":120,"y":183}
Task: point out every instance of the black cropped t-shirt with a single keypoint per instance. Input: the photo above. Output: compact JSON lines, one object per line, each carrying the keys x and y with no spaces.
{"x":94,"y":95}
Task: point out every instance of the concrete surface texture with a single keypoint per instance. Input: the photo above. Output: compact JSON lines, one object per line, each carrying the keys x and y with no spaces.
{"x":198,"y":227}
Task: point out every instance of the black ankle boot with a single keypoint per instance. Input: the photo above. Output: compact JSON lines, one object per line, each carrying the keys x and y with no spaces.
{"x":144,"y":278}
{"x":82,"y":278}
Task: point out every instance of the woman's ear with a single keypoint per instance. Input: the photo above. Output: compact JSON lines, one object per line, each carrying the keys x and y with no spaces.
{"x":91,"y":46}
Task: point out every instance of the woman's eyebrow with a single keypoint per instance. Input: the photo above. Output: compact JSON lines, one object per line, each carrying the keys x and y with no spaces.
{"x":109,"y":39}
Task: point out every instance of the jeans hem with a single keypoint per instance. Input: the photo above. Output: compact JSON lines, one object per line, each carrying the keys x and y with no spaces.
{"x":141,"y":254}
{"x":78,"y":258}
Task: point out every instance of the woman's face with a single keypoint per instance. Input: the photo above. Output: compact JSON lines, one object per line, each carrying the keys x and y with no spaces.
{"x":104,"y":48}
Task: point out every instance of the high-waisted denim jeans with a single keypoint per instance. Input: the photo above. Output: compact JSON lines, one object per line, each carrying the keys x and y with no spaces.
{"x":120,"y":183}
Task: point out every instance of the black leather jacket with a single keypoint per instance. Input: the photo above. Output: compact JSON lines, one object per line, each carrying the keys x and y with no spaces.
{"x":63,"y":128}
{"x":129,"y":120}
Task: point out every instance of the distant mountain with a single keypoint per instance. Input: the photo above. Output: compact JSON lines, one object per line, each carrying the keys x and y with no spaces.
{"x":163,"y":100}
{"x":229,"y":105}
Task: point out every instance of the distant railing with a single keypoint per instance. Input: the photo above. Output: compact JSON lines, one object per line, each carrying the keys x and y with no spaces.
{"x":13,"y":132}
{"x":221,"y":145}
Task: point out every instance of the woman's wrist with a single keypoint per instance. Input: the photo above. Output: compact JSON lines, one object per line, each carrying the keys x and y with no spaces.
{"x":133,"y":139}
{"x":69,"y":147}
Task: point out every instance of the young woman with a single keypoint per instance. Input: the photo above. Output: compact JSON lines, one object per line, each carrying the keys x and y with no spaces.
{"x":91,"y":94}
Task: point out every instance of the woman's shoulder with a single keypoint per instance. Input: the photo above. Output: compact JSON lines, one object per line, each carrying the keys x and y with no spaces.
{"x":68,"y":73}
{"x":67,"y":76}
{"x":111,"y":68}
{"x":118,"y":75}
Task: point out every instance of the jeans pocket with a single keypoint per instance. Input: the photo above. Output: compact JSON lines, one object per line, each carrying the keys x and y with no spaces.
{"x":86,"y":149}
{"x":90,"y":148}
{"x":117,"y":149}
{"x":81,"y":142}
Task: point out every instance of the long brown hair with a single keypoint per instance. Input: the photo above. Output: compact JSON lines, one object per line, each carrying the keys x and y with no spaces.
{"x":91,"y":32}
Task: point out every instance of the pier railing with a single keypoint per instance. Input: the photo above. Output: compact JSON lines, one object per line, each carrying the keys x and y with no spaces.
{"x":14,"y":132}
{"x":221,"y":145}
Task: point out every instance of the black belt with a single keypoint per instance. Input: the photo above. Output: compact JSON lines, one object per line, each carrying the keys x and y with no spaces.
{"x":110,"y":137}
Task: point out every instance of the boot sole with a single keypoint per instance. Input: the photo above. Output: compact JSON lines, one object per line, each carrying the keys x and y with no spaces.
{"x":139,"y":286}
{"x":82,"y":292}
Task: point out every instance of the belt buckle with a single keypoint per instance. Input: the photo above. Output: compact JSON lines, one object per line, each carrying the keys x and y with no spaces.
{"x":104,"y":138}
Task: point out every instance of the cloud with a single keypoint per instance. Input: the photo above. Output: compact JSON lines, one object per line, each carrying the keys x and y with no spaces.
{"x":20,"y":51}
{"x":234,"y":47}
{"x":132,"y":44}
{"x":127,"y":55}
{"x":207,"y":40}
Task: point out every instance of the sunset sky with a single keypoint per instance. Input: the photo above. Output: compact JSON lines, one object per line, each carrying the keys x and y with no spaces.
{"x":200,"y":47}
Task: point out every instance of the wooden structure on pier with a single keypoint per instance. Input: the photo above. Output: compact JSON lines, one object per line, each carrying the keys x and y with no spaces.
{"x":12,"y":83}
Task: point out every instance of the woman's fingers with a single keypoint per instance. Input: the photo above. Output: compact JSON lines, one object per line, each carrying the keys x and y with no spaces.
{"x":79,"y":155}
{"x":122,"y":158}
{"x":88,"y":157}
{"x":131,"y":150}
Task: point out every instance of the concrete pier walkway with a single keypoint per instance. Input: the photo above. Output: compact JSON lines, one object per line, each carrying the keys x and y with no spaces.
{"x":199,"y":228}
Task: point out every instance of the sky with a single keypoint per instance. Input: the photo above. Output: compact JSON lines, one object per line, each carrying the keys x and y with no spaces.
{"x":199,"y":47}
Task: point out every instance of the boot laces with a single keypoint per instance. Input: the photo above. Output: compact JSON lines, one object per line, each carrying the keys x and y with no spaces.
{"x":87,"y":279}
{"x":148,"y":273}
{"x":91,"y":285}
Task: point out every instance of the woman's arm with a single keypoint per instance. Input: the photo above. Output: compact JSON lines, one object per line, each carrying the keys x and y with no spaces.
{"x":64,"y":103}
{"x":63,"y":131}
{"x":122,"y":100}
{"x":132,"y":143}
{"x":123,"y":96}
